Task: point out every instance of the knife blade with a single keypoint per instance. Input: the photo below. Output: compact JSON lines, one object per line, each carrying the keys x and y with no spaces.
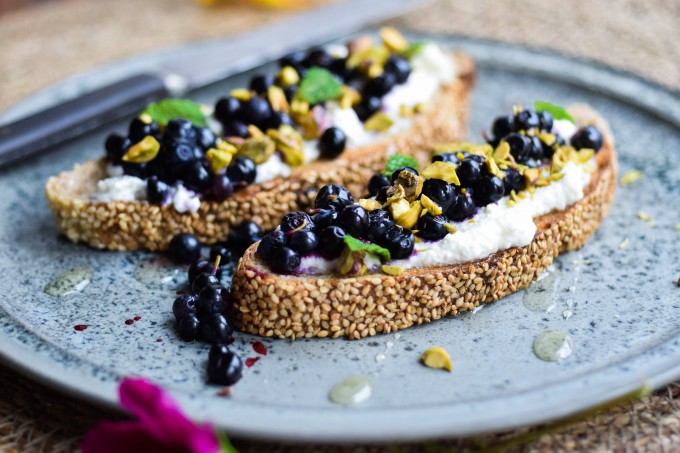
{"x":213,"y":61}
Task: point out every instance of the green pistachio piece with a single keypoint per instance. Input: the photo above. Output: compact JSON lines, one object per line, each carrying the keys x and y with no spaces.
{"x":289,"y":141}
{"x":145,"y":150}
{"x":258,"y":149}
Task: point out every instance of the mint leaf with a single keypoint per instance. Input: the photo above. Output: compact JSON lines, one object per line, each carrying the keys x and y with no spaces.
{"x":559,"y":113}
{"x":225,"y":443}
{"x":168,"y":109}
{"x":319,"y":85}
{"x":414,"y":49}
{"x":396,"y":161}
{"x":354,"y":245}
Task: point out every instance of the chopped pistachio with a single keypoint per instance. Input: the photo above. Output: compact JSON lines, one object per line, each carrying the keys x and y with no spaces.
{"x":392,"y":270}
{"x":399,"y":208}
{"x":513,"y":196}
{"x":145,"y":118}
{"x":143,"y":151}
{"x":277,"y":99}
{"x":409,"y":219}
{"x":257,"y":148}
{"x":644,"y":216}
{"x":405,"y":111}
{"x":442,"y":170}
{"x":450,"y":228}
{"x":374,"y":70}
{"x":677,"y":226}
{"x":511,"y":203}
{"x":220,"y":157}
{"x":362,"y":59}
{"x":393,"y":39}
{"x":254,"y":131}
{"x":542,"y":182}
{"x":241,"y":94}
{"x":289,"y":141}
{"x":556,"y":176}
{"x":394,"y":194}
{"x":412,"y":184}
{"x":547,"y":138}
{"x":299,"y":107}
{"x":378,"y":122}
{"x":369,"y":204}
{"x":491,"y":166}
{"x":349,"y":97}
{"x":352,"y":262}
{"x":630,"y":177}
{"x":437,"y":357}
{"x":430,"y":206}
{"x":531,"y":175}
{"x":420,"y":107}
{"x":501,"y":152}
{"x":288,"y":76}
{"x":584,"y":155}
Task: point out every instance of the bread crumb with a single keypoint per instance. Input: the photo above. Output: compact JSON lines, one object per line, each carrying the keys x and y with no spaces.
{"x":624,"y":244}
{"x":677,"y":226}
{"x":630,"y":177}
{"x":644,"y":216}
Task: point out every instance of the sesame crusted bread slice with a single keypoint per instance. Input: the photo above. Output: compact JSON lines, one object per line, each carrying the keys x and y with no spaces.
{"x":295,"y":306}
{"x":128,"y":225}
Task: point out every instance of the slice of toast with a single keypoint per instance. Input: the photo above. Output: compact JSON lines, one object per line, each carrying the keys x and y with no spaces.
{"x":286,"y":306}
{"x":123,"y":225}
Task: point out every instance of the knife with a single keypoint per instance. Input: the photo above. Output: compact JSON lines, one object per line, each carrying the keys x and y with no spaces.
{"x":214,"y":61}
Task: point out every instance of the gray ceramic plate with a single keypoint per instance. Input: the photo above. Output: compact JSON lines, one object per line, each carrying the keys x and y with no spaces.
{"x":623,"y":302}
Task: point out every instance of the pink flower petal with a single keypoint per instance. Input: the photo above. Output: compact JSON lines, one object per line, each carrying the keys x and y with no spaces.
{"x":128,"y":437}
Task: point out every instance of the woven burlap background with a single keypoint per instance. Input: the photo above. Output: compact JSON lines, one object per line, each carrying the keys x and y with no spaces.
{"x":43,"y":42}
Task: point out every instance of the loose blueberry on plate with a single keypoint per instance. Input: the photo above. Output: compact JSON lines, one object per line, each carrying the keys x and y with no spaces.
{"x":488,"y":189}
{"x":223,"y":252}
{"x":212,"y":299}
{"x":432,"y":227}
{"x":188,"y":327}
{"x":270,"y":244}
{"x":377,"y":182}
{"x":204,"y":280}
{"x":184,"y":304}
{"x":354,"y":220}
{"x":242,"y":236}
{"x":333,"y":196}
{"x":587,"y":137}
{"x":332,"y":142}
{"x":224,"y":366}
{"x":215,"y":328}
{"x":156,"y":190}
{"x":184,"y":248}
{"x":331,"y":241}
{"x":242,"y":170}
{"x":440,"y":192}
{"x":203,"y":267}
{"x":227,"y":109}
{"x":303,"y":242}
{"x":285,"y":260}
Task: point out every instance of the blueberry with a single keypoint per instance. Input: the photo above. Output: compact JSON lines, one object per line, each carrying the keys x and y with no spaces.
{"x":525,"y":120}
{"x":318,"y":57}
{"x":445,"y":157}
{"x":398,"y":66}
{"x":184,"y":305}
{"x":179,"y":129}
{"x":431,"y":227}
{"x":513,"y":180}
{"x":285,"y":260}
{"x":227,"y":109}
{"x":235,"y":128}
{"x":197,"y":177}
{"x":204,"y":280}
{"x":116,"y":146}
{"x":270,"y":244}
{"x":333,"y":196}
{"x":463,"y":207}
{"x":241,"y":237}
{"x":399,"y":241}
{"x":377,"y":182}
{"x":223,"y":252}
{"x":397,"y":172}
{"x":225,"y":367}
{"x":367,"y":107}
{"x":261,"y":83}
{"x":278,"y":119}
{"x":331,"y":241}
{"x":324,"y":218}
{"x":221,"y":187}
{"x":178,"y":155}
{"x":256,"y":110}
{"x":468,"y":172}
{"x":545,"y":120}
{"x":296,"y":220}
{"x":139,"y":129}
{"x":502,"y":127}
{"x":133,"y":169}
{"x":519,"y":146}
{"x":215,"y":328}
{"x":290,"y":91}
{"x":379,"y":221}
{"x":205,"y":137}
{"x":188,"y":327}
{"x":440,"y":192}
{"x":381,"y":196}
{"x":339,"y":67}
{"x":184,"y":248}
{"x":587,"y":137}
{"x":332,"y":142}
{"x":304,"y":242}
{"x":488,"y":189}
{"x":202,"y":267}
{"x":381,"y":85}
{"x":354,"y":220}
{"x":292,"y":59}
{"x":212,"y":299}
{"x":242,"y":170}
{"x":156,"y":190}
{"x":536,"y":149}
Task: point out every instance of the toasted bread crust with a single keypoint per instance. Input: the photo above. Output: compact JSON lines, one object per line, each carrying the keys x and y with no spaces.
{"x":120,"y":225}
{"x":297,"y":306}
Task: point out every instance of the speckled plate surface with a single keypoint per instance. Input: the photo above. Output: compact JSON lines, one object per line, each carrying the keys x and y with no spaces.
{"x":617,"y":298}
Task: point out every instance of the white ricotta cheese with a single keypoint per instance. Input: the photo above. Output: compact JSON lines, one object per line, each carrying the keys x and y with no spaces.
{"x":120,"y":188}
{"x":185,"y":200}
{"x":272,"y":168}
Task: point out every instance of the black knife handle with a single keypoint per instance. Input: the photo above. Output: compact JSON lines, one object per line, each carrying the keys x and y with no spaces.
{"x":40,"y":132}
